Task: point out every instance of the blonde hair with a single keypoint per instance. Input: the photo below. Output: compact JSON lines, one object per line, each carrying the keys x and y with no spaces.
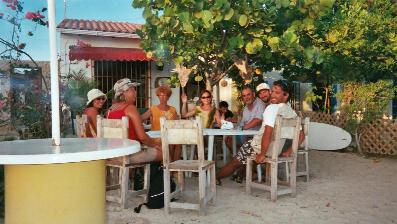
{"x":164,"y":89}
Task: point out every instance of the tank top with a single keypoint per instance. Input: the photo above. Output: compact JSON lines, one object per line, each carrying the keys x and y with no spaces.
{"x":207,"y":117}
{"x":90,"y":131}
{"x":118,"y":114}
{"x":157,"y":113}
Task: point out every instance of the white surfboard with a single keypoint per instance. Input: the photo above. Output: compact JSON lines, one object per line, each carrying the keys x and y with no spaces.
{"x":327,"y":137}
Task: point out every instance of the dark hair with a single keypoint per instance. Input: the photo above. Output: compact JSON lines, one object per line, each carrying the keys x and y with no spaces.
{"x":223,"y":104}
{"x":284,"y":85}
{"x":205,"y":91}
{"x":248,"y":87}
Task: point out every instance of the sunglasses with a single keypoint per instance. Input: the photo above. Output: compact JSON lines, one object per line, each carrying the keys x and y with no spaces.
{"x":205,"y":97}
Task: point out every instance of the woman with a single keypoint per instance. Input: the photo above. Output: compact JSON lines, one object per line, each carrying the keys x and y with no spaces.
{"x":160,"y":110}
{"x":125,"y":97}
{"x":209,"y":114}
{"x":96,"y":99}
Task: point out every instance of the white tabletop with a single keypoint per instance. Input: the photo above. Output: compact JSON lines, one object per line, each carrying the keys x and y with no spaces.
{"x":210,"y":131}
{"x":41,"y":151}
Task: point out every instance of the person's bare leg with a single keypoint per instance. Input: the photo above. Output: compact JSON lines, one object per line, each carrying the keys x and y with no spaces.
{"x":177,"y":149}
{"x":147,"y":155}
{"x":229,"y":168}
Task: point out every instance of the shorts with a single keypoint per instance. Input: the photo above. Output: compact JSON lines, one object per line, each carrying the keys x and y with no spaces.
{"x":246,"y":151}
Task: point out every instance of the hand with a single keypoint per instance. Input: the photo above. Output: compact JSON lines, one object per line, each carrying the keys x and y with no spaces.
{"x":184,"y":98}
{"x":260,"y":158}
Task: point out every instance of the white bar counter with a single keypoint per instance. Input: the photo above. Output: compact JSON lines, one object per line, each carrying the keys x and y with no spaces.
{"x":58,"y":184}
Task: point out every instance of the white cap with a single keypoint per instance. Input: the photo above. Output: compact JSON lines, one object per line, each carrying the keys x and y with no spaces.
{"x":122,"y":85}
{"x":262,"y":86}
{"x":93,"y":94}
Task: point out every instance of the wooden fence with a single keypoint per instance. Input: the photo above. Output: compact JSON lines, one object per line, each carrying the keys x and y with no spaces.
{"x":377,"y":137}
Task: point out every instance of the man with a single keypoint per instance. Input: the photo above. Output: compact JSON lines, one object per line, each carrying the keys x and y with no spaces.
{"x":263,"y":91}
{"x":224,"y":111}
{"x":253,"y":110}
{"x":261,"y":143}
{"x":252,"y":114}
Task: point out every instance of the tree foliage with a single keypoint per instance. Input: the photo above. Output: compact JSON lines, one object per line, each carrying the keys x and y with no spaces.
{"x":310,"y":40}
{"x":218,"y":35}
{"x":358,"y":39}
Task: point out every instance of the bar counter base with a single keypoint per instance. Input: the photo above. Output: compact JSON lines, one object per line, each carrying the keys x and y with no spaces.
{"x":69,"y":193}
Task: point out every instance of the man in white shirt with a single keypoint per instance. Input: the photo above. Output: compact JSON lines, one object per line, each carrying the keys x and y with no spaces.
{"x":261,"y":143}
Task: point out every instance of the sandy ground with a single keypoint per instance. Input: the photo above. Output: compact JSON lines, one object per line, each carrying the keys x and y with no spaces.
{"x":344,"y":188}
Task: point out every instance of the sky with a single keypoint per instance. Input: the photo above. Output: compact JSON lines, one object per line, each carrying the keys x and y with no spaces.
{"x":37,"y":45}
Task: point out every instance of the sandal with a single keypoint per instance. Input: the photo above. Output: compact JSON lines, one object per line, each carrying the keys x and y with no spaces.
{"x":218,"y":182}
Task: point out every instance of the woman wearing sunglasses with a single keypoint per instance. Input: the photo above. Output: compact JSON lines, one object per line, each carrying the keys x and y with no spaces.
{"x":209,"y":114}
{"x":96,"y":99}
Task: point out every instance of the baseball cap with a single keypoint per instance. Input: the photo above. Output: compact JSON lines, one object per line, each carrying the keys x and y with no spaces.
{"x":122,"y":85}
{"x":262,"y":86}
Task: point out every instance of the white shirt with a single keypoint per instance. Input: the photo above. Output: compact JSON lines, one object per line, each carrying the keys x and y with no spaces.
{"x":269,"y":118}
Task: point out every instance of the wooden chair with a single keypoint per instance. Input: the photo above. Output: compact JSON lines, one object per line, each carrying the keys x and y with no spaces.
{"x":115,"y":128}
{"x":186,"y":132}
{"x":80,"y":125}
{"x":304,"y":150}
{"x":274,"y":160}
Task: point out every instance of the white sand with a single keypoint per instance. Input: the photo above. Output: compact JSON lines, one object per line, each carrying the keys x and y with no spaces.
{"x":344,"y":188}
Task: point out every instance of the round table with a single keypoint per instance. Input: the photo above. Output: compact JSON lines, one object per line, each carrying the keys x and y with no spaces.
{"x":58,"y":184}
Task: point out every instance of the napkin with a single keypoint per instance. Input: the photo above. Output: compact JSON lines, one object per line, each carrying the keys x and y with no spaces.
{"x":226,"y":125}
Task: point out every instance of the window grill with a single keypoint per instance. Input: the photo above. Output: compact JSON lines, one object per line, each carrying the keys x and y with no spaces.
{"x":106,"y":73}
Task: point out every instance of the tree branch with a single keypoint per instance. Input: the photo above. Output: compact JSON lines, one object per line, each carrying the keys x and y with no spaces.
{"x":15,"y":48}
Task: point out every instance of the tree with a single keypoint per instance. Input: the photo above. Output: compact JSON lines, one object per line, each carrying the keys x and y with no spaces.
{"x":218,"y":36}
{"x":15,"y":16}
{"x":359,"y":42}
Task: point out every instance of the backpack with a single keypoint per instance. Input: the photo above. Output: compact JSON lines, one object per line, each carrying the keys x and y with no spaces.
{"x":156,"y":189}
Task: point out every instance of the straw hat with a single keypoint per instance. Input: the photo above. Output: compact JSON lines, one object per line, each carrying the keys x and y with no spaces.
{"x":93,"y":94}
{"x":262,"y":86}
{"x":123,"y":85}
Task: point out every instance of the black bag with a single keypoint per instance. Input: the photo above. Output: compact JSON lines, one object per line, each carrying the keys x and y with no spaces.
{"x":156,"y":188}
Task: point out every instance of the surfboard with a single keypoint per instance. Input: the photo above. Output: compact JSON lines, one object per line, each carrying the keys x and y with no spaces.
{"x":327,"y":137}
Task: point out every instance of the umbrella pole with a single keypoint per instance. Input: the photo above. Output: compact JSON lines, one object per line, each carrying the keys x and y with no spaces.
{"x":54,"y":74}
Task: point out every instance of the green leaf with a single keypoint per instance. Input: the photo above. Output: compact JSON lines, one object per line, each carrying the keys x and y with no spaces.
{"x":206,"y":17}
{"x":229,"y":14}
{"x":178,"y":60}
{"x":254,"y":46}
{"x":187,"y":27}
{"x":309,"y":53}
{"x":283,"y":3}
{"x":184,"y":17}
{"x":146,"y":13}
{"x":327,"y":3}
{"x":243,"y":20}
{"x":273,"y":42}
{"x":235,"y":42}
{"x":219,"y":3}
{"x":289,"y":37}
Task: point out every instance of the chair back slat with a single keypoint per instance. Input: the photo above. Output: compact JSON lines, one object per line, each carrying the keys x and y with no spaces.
{"x":181,"y":132}
{"x":112,"y":128}
{"x":305,"y":123}
{"x":81,"y":125}
{"x":286,"y":128}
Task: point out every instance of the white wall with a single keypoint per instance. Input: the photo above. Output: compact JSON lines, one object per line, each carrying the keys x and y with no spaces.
{"x":225,"y":93}
{"x":175,"y":97}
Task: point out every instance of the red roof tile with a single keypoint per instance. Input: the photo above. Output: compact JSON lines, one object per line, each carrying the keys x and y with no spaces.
{"x":105,"y":26}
